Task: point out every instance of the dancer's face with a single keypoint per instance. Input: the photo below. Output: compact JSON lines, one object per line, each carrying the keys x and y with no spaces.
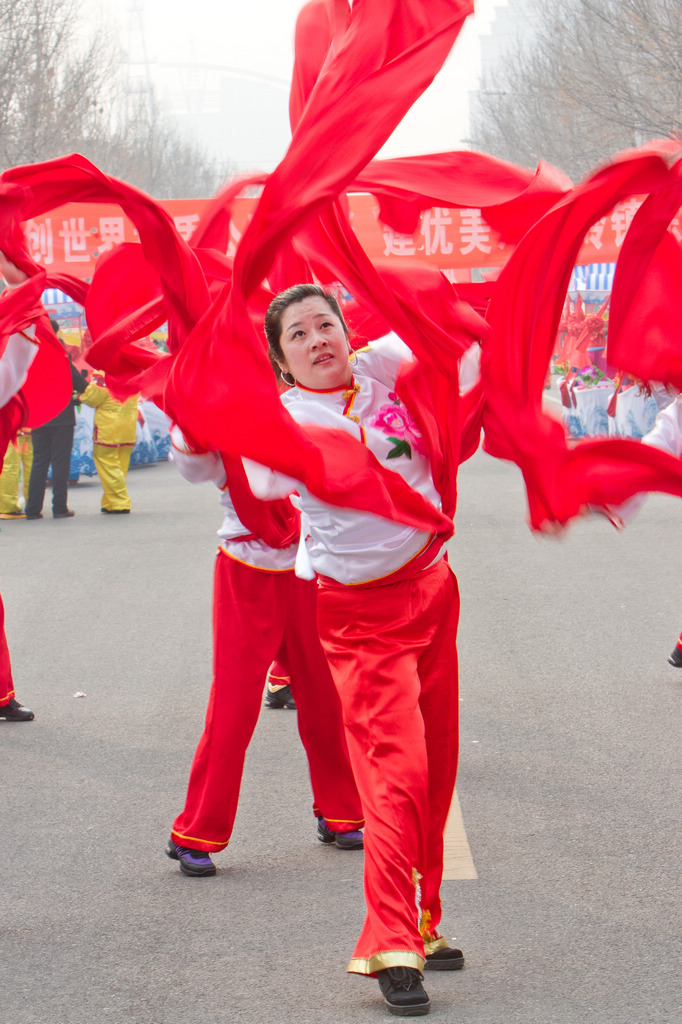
{"x":314,"y":345}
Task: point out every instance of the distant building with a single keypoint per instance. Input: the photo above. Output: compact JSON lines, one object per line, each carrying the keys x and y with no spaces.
{"x":512,"y":22}
{"x":228,"y":111}
{"x":238,"y":117}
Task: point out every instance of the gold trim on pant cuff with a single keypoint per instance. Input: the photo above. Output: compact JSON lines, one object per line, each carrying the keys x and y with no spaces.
{"x":434,"y":944}
{"x":190,"y":842}
{"x":386,"y":958}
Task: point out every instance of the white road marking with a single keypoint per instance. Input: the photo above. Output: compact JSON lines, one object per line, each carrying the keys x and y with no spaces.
{"x":457,"y":860}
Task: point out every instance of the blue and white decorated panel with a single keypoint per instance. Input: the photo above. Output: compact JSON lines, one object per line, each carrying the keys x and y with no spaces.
{"x":60,"y":306}
{"x":152,"y":445}
{"x":592,"y":282}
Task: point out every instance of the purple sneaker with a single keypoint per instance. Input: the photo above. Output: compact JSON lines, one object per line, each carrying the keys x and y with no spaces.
{"x":344,"y":840}
{"x":197,"y":863}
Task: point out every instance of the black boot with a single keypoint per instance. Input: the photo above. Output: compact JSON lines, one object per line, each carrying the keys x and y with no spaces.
{"x":279,"y":697}
{"x":675,"y":657}
{"x":403,"y":991}
{"x":16,"y":712}
{"x":448,"y":958}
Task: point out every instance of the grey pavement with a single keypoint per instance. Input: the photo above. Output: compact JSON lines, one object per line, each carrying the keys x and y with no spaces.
{"x":569,"y":781}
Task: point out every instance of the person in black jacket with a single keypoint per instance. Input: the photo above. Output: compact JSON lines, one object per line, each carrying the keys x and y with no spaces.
{"x":52,"y":444}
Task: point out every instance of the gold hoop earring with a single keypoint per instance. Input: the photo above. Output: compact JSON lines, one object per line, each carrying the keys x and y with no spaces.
{"x":290,"y":383}
{"x":351,"y":353}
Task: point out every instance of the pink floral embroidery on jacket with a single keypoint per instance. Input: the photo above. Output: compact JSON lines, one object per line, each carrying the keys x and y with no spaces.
{"x":395,"y":421}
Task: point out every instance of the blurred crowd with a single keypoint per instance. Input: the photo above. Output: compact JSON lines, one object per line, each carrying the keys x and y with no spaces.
{"x":94,"y":432}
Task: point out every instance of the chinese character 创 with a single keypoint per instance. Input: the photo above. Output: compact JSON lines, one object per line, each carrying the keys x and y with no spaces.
{"x":40,"y":241}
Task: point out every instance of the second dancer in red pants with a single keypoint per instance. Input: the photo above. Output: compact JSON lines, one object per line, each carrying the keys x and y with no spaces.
{"x":261,"y":611}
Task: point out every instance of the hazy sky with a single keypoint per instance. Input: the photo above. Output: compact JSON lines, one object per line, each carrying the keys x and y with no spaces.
{"x":255,"y":38}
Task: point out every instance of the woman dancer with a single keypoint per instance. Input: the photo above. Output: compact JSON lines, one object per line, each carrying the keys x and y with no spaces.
{"x":20,"y":351}
{"x":388,"y":608}
{"x":665,"y":434}
{"x":261,"y":610}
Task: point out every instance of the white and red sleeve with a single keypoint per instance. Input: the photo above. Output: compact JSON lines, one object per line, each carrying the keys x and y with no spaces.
{"x":196,"y":466}
{"x":16,"y":360}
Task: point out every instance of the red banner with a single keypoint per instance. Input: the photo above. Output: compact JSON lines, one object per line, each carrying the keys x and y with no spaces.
{"x":71,"y":238}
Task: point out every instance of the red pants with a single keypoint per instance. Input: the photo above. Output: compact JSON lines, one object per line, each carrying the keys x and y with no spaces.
{"x":257,"y":616}
{"x":392,"y":652}
{"x":6,"y":682}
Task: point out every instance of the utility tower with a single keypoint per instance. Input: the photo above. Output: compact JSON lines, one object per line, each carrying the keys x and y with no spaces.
{"x":138,"y":79}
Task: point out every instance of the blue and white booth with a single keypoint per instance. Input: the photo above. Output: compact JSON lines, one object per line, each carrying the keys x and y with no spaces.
{"x":153,"y":426}
{"x":588,"y":416}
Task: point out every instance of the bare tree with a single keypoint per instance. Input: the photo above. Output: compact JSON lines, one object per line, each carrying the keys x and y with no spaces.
{"x":597,"y":76}
{"x":59,"y":95}
{"x":150,"y":151}
{"x":53,"y":95}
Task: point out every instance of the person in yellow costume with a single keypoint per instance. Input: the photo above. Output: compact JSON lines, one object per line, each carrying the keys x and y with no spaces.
{"x":113,"y":438}
{"x":18,"y":460}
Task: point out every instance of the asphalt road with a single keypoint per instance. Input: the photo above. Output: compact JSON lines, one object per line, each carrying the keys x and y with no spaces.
{"x":569,"y":782}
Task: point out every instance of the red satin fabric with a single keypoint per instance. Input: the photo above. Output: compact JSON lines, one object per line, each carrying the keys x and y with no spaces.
{"x":561,"y":479}
{"x":257,"y":616}
{"x":511,"y":197}
{"x":13,"y":417}
{"x":646,"y":282}
{"x":58,"y":181}
{"x":48,"y":385}
{"x":6,"y":680}
{"x":392,"y":653}
{"x":370,"y":52}
{"x":380,"y":55}
{"x":356,"y":75}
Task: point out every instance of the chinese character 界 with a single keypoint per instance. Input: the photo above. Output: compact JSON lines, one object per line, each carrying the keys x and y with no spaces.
{"x":111,"y":233}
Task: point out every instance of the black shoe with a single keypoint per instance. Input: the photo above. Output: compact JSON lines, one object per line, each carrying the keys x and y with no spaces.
{"x":115,"y":511}
{"x":279,"y":697}
{"x":197,"y":863}
{"x":344,"y":840}
{"x":16,"y":712}
{"x":403,"y":991}
{"x":675,"y":657}
{"x":63,"y":515}
{"x":446,"y":959}
{"x":34,"y":515}
{"x":13,"y":515}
